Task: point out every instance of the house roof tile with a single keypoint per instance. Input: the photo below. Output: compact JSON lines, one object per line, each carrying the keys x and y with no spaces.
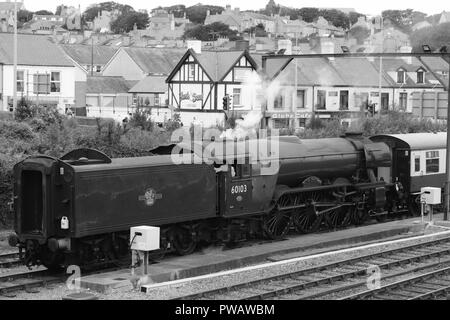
{"x":112,"y":85}
{"x":82,"y":54}
{"x":156,"y":61}
{"x":33,"y":50}
{"x":150,"y":84}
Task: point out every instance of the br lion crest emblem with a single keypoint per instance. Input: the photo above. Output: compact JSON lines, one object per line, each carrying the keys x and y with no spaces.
{"x":150,"y":197}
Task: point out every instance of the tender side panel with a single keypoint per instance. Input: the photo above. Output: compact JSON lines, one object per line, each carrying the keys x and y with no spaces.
{"x":113,"y":200}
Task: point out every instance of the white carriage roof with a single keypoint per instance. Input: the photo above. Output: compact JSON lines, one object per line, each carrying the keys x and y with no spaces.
{"x":421,"y":141}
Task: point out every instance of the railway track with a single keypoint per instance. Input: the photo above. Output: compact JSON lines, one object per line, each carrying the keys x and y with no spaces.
{"x":9,"y":260}
{"x":430,"y":285}
{"x":334,"y":279}
{"x":29,"y":280}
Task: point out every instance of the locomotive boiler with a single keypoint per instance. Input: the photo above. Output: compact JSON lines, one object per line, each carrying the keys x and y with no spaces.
{"x":79,"y":208}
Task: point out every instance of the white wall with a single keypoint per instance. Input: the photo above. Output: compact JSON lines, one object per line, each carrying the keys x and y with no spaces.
{"x":122,"y":65}
{"x":66,"y":95}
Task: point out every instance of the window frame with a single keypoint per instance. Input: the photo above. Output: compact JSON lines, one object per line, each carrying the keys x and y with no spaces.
{"x":278,"y":101}
{"x":422,"y":73}
{"x":57,"y":88}
{"x":20,"y":88}
{"x":303,"y":98}
{"x":237,"y":101}
{"x":430,"y":158}
{"x":417,"y":165}
{"x":403,"y":77}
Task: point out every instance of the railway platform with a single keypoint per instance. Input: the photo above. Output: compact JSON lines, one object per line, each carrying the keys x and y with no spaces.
{"x":216,"y":259}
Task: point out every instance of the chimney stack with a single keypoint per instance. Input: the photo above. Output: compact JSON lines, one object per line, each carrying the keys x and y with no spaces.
{"x":195,"y":45}
{"x":285,"y":44}
{"x":406,"y":49}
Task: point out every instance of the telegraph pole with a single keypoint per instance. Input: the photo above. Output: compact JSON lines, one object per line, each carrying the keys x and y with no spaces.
{"x":15,"y":59}
{"x":92,"y":57}
{"x":447,"y":184}
{"x":381,"y":68}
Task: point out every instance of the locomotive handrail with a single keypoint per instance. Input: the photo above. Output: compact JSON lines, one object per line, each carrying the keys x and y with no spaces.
{"x":88,"y":155}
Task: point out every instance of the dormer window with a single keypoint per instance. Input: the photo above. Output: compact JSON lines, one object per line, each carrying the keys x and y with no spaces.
{"x":421,"y":76}
{"x":401,"y":76}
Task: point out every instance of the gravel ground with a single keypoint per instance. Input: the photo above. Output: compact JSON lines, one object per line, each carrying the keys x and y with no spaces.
{"x":58,"y":291}
{"x":4,"y":246}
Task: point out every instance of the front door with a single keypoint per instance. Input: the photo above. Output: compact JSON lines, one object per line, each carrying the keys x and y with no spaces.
{"x":384,"y":101}
{"x":343,"y":100}
{"x":401,"y":167}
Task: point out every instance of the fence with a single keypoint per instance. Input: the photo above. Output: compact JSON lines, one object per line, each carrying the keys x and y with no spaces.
{"x":431,"y":105}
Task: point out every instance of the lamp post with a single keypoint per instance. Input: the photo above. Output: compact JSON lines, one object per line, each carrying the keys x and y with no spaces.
{"x":381,"y":66}
{"x":15,"y":59}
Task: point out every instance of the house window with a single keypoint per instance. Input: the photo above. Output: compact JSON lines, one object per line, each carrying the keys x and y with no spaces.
{"x":156,"y":99}
{"x":403,"y":100}
{"x":300,"y":99}
{"x":98,"y":68}
{"x":321,"y":99}
{"x":41,"y":83}
{"x":280,"y":123}
{"x":400,"y":76}
{"x":191,"y":71}
{"x":278,"y":102}
{"x":302,"y":122}
{"x":236,"y":97}
{"x":55,"y":83}
{"x":420,"y":77}
{"x":432,"y":161}
{"x":20,"y":81}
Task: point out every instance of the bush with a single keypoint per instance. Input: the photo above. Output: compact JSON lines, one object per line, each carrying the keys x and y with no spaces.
{"x":141,"y":119}
{"x":25,"y":110}
{"x":16,"y":130}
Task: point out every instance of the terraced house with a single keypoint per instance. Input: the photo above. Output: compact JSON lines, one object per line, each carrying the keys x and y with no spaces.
{"x":344,"y":87}
{"x":45,"y":76}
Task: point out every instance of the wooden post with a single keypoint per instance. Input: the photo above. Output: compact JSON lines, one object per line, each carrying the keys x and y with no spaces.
{"x":436,"y":103}
{"x":421,"y":106}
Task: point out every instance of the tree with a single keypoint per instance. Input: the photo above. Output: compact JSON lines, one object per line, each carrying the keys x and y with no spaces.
{"x":336,"y":17}
{"x":353,"y":17}
{"x":178,"y":10}
{"x":125,"y":22}
{"x":258,"y":30}
{"x":59,"y":9}
{"x":205,"y":32}
{"x":309,"y":14}
{"x":403,"y":19}
{"x":24,"y":16}
{"x":91,"y":12}
{"x":44,"y":13}
{"x":435,"y":36}
{"x":197,"y":13}
{"x":359,"y":33}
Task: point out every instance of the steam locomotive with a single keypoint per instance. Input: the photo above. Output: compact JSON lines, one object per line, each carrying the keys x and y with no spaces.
{"x":78,"y":209}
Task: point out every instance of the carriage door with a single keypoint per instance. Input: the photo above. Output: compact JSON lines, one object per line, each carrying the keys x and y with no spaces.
{"x":238,"y":192}
{"x":402,"y":165}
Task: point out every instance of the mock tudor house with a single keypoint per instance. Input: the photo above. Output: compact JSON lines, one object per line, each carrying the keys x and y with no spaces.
{"x":45,"y":76}
{"x":201,"y":81}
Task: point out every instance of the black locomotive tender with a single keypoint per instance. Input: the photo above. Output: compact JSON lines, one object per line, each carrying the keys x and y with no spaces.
{"x":79,"y":209}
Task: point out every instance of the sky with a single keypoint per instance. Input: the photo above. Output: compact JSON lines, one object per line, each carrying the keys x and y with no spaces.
{"x":363,"y":6}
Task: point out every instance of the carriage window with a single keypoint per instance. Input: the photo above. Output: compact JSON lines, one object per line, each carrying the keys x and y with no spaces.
{"x":432,"y":161}
{"x":417,"y":164}
{"x":246,"y":170}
